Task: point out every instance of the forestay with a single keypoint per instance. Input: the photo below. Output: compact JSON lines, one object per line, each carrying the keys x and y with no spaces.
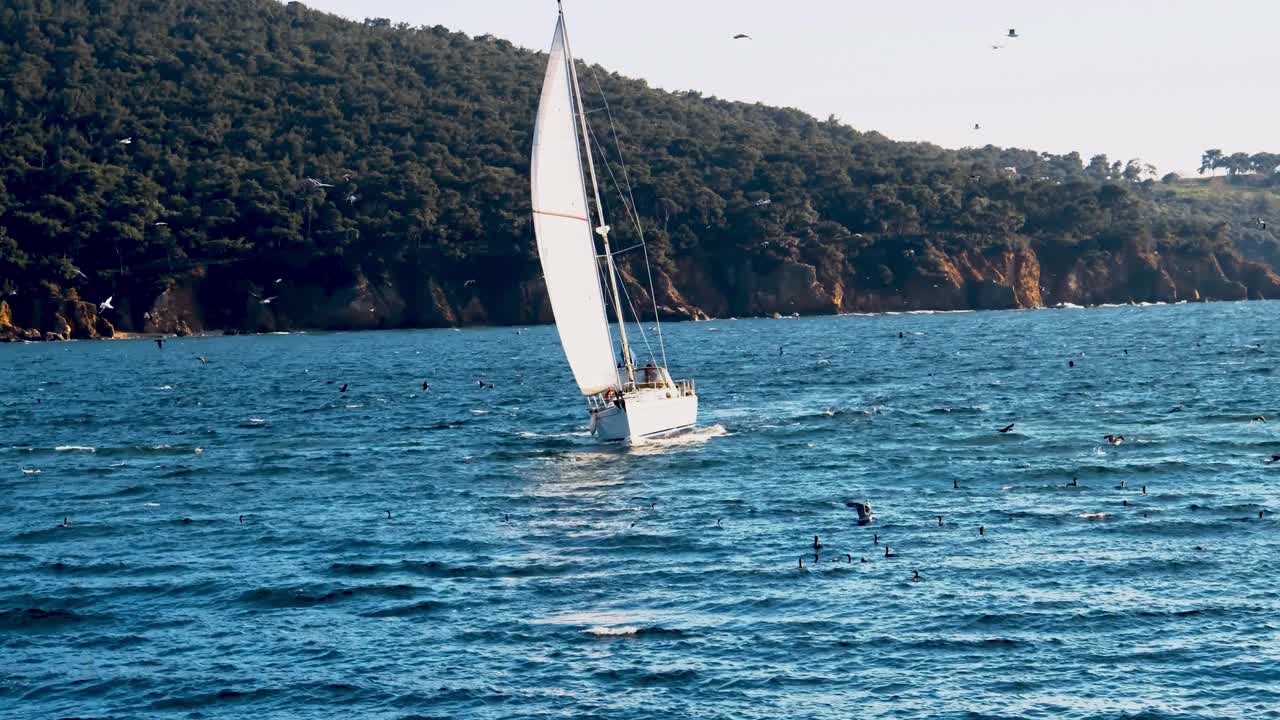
{"x":563,"y":228}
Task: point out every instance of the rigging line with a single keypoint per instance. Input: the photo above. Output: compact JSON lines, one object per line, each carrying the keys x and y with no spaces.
{"x":616,"y":253}
{"x":635,"y":219}
{"x":634,"y":213}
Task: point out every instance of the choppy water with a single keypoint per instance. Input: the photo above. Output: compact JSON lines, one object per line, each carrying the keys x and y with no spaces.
{"x":663,"y":581}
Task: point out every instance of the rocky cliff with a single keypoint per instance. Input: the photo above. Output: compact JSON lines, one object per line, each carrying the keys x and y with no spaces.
{"x":1007,"y":276}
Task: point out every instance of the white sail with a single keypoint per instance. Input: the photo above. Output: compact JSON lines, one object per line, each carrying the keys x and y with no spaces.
{"x":563,"y":228}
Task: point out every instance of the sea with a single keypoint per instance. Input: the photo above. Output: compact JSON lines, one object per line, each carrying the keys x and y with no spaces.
{"x":235,"y":537}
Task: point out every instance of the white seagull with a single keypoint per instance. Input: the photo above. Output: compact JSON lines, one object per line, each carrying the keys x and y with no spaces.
{"x":29,"y":471}
{"x":160,"y":224}
{"x":76,"y":270}
{"x":318,"y":183}
{"x":106,"y":304}
{"x":127,"y":141}
{"x":760,"y":203}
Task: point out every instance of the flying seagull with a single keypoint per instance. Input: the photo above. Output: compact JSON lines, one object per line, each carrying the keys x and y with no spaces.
{"x":759,"y":203}
{"x":106,"y":304}
{"x":76,"y":270}
{"x":468,"y":283}
{"x":351,"y":199}
{"x":318,"y":183}
{"x":1013,"y":33}
{"x":161,"y":224}
{"x":741,"y":36}
{"x":1007,"y":428}
{"x":264,"y":301}
{"x":278,"y":281}
{"x":127,"y":141}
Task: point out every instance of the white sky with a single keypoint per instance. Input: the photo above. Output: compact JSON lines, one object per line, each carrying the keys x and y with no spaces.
{"x":1160,"y":80}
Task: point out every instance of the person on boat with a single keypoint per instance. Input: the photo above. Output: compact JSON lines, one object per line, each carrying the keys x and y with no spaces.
{"x":650,"y":373}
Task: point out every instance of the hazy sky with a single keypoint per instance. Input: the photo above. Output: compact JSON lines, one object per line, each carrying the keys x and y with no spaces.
{"x":1162,"y":81}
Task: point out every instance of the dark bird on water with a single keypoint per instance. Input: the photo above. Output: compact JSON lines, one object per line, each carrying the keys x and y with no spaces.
{"x":484,"y":385}
{"x":507,"y":518}
{"x":241,"y":519}
{"x":889,"y":553}
{"x":900,"y":335}
{"x":343,"y":388}
{"x":1071,"y":363}
{"x":1259,"y":419}
{"x":1274,"y":458}
{"x":955,"y":484}
{"x":425,"y":386}
{"x":388,"y":514}
{"x":1074,"y":482}
{"x":916,"y":577}
{"x":741,"y":36}
{"x":1114,"y":439}
{"x":939,"y":521}
{"x":1007,"y":428}
{"x":982,"y":530}
{"x":1144,"y":489}
{"x":875,"y":539}
{"x":1120,"y":486}
{"x":976,"y":126}
{"x":801,"y":563}
{"x":1013,"y":33}
{"x":160,"y":343}
{"x":66,"y":522}
{"x":848,"y":557}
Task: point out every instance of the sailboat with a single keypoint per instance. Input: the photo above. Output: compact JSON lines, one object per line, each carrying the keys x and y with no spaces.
{"x":626,"y":403}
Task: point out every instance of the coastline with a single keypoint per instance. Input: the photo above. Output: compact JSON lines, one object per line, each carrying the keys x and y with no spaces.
{"x":129,"y":335}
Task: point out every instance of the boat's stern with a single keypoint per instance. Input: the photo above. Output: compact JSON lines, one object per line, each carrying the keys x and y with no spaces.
{"x":645,"y":410}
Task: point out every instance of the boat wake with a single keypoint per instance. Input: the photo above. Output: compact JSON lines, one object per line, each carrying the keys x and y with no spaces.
{"x":696,"y":436}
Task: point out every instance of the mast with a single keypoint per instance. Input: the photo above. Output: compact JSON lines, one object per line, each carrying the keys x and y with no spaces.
{"x":603,"y":229}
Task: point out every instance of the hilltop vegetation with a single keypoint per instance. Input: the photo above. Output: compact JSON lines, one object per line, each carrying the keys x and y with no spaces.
{"x":159,"y":151}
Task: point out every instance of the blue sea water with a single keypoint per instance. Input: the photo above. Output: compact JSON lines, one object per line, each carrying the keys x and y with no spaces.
{"x":228,"y":552}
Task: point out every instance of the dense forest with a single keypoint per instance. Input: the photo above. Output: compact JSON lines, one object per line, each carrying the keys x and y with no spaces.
{"x":248,"y":165}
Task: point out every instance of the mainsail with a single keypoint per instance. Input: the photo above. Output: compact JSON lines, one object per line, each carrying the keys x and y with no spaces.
{"x":562,"y":224}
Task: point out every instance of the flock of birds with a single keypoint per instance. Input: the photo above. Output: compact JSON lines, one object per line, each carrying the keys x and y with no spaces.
{"x":866,"y":515}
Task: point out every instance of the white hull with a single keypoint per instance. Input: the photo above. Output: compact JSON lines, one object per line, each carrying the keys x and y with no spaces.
{"x":644,"y":415}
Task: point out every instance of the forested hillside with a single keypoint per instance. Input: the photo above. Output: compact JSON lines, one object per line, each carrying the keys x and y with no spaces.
{"x":192,"y":159}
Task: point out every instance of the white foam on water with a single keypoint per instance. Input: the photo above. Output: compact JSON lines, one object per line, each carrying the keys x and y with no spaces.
{"x":602,"y":631}
{"x":75,"y":448}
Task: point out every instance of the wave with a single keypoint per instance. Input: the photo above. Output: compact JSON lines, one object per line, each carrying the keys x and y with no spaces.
{"x":436,"y":569}
{"x":41,"y":619}
{"x":634,"y":631}
{"x":75,"y":448}
{"x":426,"y":607}
{"x":280,"y":598}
